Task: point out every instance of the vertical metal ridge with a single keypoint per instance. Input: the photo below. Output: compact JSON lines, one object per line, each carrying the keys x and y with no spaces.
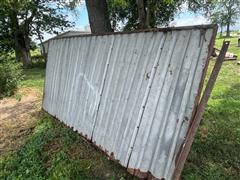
{"x":153,"y":71}
{"x":71,"y":82}
{"x":78,"y":82}
{"x":126,"y":99}
{"x":166,"y":116}
{"x":129,"y":93}
{"x":120,"y":97}
{"x":186,"y":95}
{"x":178,"y":76}
{"x":103,"y":84}
{"x":130,"y":114}
{"x":82,"y":74}
{"x":72,"y":102}
{"x":160,"y":93}
{"x":67,"y":83}
{"x":66,"y":73}
{"x":115,"y":87}
{"x":119,"y":45}
{"x":89,"y":64}
{"x":176,"y":82}
{"x":89,"y":76}
{"x":53,"y":84}
{"x":140,"y":87}
{"x":61,"y":81}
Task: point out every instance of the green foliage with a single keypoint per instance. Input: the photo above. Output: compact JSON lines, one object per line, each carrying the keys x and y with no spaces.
{"x":21,"y":20}
{"x":124,"y":13}
{"x":221,"y":12}
{"x":224,"y":13}
{"x":10,"y":76}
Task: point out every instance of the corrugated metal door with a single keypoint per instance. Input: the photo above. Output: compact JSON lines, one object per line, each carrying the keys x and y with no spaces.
{"x":132,"y":94}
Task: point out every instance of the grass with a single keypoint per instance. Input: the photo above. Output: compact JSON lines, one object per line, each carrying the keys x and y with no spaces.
{"x":33,"y":78}
{"x":54,"y":151}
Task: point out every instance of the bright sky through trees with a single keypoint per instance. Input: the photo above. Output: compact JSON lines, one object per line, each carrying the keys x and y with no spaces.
{"x":184,"y":18}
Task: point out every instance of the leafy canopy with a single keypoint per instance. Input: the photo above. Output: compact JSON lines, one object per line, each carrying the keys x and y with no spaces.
{"x":30,"y":17}
{"x":124,"y":14}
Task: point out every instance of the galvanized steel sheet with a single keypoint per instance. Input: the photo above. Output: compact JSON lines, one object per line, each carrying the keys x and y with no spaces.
{"x":132,"y":94}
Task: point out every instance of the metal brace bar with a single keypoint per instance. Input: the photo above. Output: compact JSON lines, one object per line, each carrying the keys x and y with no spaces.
{"x":199,"y":113}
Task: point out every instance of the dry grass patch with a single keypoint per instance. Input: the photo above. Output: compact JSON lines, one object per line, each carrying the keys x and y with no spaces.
{"x":17,"y":118}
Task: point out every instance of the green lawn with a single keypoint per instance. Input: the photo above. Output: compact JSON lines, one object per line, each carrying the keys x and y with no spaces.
{"x":33,"y":78}
{"x":54,"y":151}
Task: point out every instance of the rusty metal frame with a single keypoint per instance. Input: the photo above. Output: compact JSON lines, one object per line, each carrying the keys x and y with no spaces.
{"x":199,"y":113}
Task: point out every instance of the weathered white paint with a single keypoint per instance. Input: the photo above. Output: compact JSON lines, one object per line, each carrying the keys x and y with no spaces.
{"x":131,"y":94}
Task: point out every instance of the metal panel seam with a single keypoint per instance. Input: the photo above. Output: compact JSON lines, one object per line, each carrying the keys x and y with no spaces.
{"x":153,"y":72}
{"x":103,"y":84}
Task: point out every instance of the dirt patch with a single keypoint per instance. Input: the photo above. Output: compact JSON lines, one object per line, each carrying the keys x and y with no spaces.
{"x":17,"y":118}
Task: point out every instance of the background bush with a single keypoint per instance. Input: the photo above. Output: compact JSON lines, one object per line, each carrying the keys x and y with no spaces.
{"x":10,"y":76}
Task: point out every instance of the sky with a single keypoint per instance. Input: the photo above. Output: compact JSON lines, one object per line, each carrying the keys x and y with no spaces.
{"x":183,"y":18}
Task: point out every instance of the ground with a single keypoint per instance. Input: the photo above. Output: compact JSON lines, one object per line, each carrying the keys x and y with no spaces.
{"x":33,"y":145}
{"x":17,"y":117}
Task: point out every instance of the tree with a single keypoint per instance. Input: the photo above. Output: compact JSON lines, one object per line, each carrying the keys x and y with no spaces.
{"x":232,"y":9}
{"x":142,"y":13}
{"x":222,"y":12}
{"x":20,"y":20}
{"x":219,"y":19}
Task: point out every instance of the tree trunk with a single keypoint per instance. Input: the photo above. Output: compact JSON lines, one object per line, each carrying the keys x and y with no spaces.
{"x":228,"y":30}
{"x":15,"y":29}
{"x":21,"y":42}
{"x":27,"y":61}
{"x":17,"y":49}
{"x":148,"y":15}
{"x":221,"y":31}
{"x":142,"y":14}
{"x":24,"y":48}
{"x":98,"y":16}
{"x":43,"y":51}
